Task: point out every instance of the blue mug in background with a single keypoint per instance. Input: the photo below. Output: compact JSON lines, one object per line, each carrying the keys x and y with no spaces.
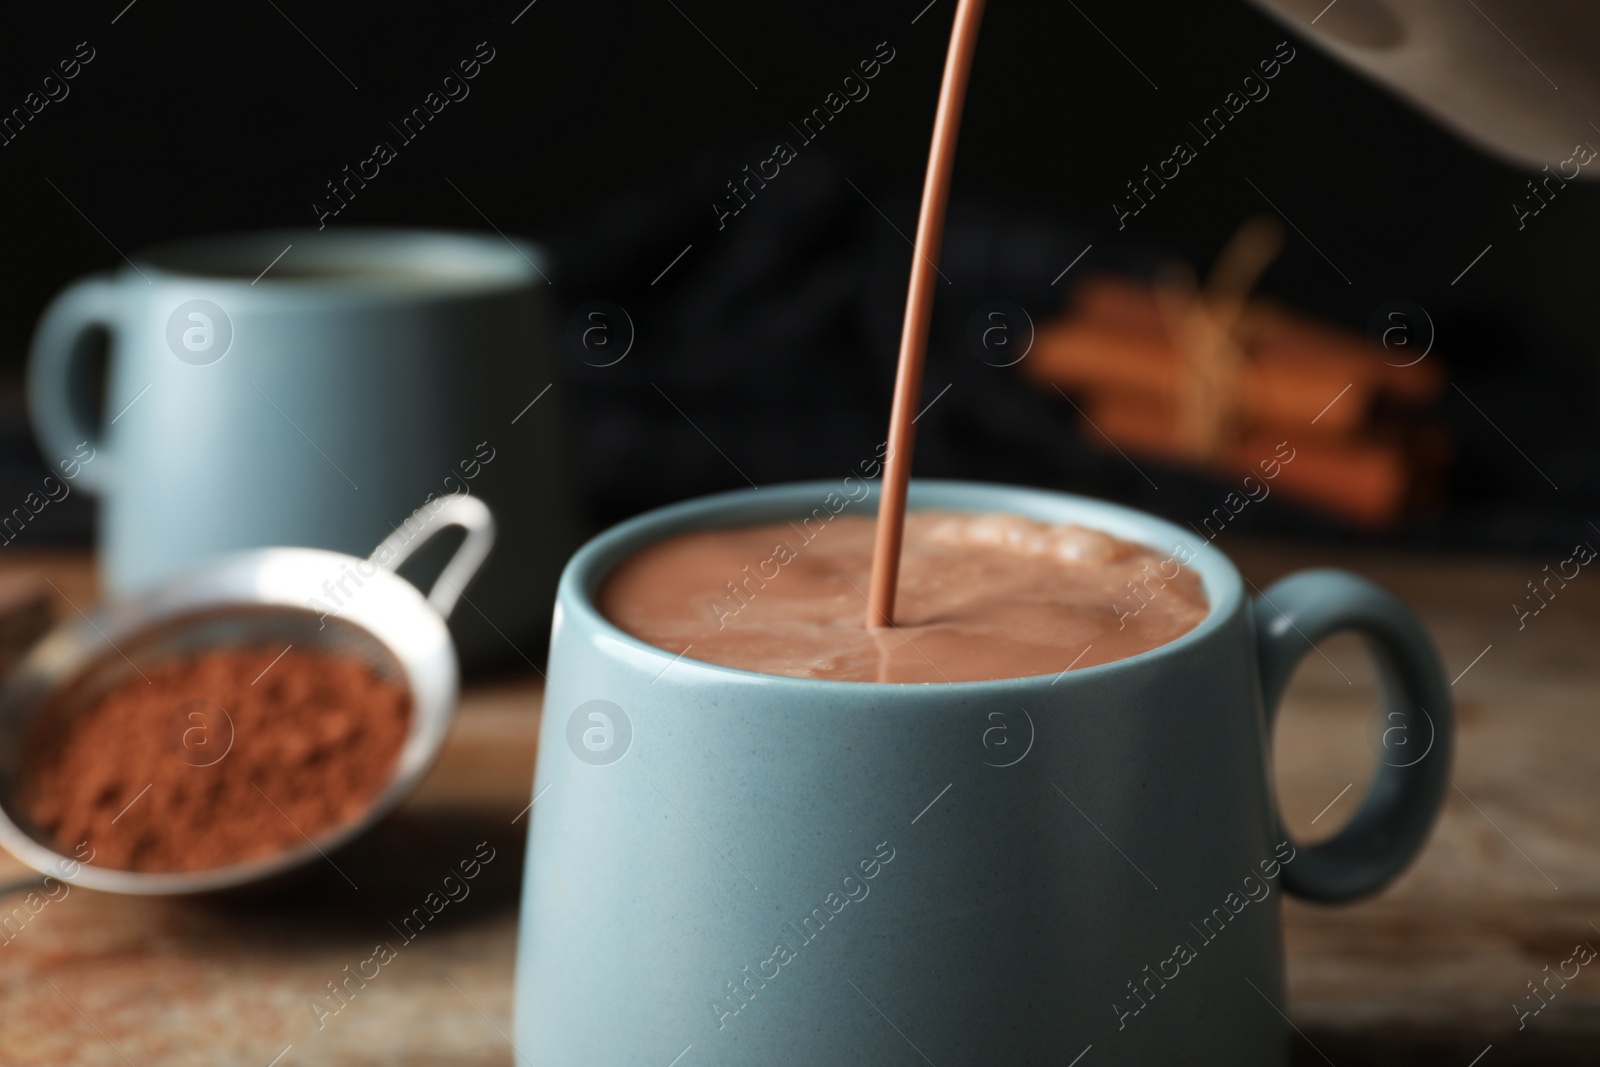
{"x":729,"y":867}
{"x":304,"y":387}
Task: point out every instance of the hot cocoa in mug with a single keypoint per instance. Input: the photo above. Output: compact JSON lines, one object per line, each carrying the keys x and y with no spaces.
{"x":1030,"y":819}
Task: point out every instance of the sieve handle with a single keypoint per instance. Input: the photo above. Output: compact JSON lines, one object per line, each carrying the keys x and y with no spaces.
{"x":422,"y":525}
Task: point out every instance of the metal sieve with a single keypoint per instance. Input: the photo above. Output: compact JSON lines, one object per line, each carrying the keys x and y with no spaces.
{"x":307,"y":598}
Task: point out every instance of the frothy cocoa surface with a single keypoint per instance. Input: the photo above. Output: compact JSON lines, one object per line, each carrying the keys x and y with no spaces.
{"x":982,"y":596}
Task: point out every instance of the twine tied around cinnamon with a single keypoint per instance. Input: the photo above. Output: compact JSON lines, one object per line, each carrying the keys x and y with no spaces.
{"x":1208,"y":329}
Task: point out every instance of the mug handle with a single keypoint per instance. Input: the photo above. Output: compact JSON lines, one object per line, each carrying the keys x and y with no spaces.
{"x":60,"y":401}
{"x":1405,"y":796}
{"x":456,"y":509}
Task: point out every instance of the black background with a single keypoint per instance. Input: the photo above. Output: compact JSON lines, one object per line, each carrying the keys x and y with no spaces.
{"x":607,"y":130}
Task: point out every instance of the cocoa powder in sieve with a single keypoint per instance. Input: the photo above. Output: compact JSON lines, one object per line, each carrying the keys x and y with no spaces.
{"x":218,"y":758}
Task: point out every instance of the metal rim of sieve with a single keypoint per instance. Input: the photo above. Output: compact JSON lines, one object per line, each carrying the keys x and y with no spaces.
{"x":384,"y":619}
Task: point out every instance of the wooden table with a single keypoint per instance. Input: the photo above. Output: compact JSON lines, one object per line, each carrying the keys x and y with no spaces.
{"x":1426,"y":973}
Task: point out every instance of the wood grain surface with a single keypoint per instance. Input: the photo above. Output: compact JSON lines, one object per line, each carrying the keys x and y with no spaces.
{"x":1426,"y":973}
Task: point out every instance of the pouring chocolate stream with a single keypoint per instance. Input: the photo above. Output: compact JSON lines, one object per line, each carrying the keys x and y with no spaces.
{"x":919,"y":311}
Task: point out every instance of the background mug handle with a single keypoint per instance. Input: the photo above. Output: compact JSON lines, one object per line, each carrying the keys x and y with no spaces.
{"x":60,"y":394}
{"x":1414,"y":755}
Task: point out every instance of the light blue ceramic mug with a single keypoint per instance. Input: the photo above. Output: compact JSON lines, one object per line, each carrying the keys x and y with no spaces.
{"x":303,"y":387}
{"x":736,"y":868}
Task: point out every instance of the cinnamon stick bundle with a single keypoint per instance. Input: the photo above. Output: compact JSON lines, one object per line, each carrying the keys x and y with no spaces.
{"x":1115,"y":338}
{"x":1215,"y":380}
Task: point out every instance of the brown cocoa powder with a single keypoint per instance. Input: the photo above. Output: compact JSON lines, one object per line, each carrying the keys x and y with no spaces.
{"x":212,"y":762}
